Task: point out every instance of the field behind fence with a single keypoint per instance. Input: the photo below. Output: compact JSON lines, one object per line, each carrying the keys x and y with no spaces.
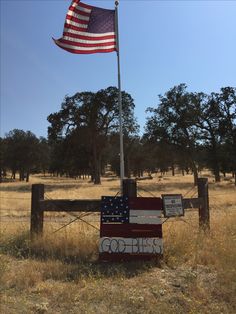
{"x":197,"y":274}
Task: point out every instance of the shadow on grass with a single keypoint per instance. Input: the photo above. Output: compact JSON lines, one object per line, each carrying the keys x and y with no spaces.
{"x":16,"y":188}
{"x":76,"y":267}
{"x":156,"y":187}
{"x":50,"y":187}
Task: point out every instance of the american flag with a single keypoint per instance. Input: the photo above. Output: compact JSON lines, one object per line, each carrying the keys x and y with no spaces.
{"x":131,"y":228}
{"x":88,"y":29}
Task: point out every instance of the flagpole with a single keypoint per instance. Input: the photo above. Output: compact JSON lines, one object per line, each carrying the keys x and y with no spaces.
{"x":122,"y":171}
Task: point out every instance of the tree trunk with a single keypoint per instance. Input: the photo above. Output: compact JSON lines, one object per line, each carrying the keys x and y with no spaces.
{"x":27,"y":176}
{"x":96,"y":164}
{"x":22,"y":175}
{"x":217,"y":177}
{"x":13,"y":174}
{"x":215,"y":161}
{"x":173,"y":170}
{"x":217,"y":173}
{"x":97,"y":178}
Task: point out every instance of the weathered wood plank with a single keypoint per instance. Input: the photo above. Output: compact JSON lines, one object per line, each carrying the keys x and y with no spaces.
{"x":94,"y":205}
{"x":70,"y":205}
{"x":192,"y":202}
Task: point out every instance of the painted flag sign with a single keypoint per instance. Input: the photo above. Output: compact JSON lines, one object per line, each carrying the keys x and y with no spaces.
{"x":88,"y":29}
{"x":131,"y":228}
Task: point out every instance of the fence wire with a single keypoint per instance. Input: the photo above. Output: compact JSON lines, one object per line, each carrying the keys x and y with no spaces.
{"x":77,"y":217}
{"x":20,"y":216}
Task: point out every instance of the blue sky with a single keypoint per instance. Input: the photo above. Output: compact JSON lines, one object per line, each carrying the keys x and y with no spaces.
{"x":162,"y":44}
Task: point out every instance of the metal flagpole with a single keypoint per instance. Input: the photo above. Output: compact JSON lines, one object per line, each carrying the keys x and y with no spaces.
{"x":122,"y":171}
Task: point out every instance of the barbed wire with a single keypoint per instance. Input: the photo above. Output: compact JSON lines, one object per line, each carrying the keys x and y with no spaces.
{"x":146,"y":191}
{"x":189,"y":191}
{"x":194,"y":194}
{"x":73,"y":220}
{"x":71,"y":214}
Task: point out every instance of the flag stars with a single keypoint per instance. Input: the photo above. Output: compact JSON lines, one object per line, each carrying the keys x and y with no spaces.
{"x":115,"y":209}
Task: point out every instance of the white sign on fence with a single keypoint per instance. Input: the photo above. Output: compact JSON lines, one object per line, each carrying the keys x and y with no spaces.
{"x":173,"y":205}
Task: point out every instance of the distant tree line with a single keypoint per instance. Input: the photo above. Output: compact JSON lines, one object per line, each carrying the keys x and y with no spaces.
{"x":186,"y":131}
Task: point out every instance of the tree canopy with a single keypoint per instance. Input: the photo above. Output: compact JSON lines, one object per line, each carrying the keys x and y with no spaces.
{"x":185,"y":130}
{"x":89,"y":118}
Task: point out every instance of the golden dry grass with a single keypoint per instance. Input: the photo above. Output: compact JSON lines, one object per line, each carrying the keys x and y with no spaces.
{"x":59,"y":273}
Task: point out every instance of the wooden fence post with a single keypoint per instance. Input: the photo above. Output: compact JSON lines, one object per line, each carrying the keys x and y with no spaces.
{"x":129,"y":188}
{"x":204,"y":212}
{"x":36,"y":223}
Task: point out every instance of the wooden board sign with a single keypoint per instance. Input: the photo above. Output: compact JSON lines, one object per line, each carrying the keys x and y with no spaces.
{"x":173,"y":205}
{"x":131,"y":228}
{"x":131,"y":245}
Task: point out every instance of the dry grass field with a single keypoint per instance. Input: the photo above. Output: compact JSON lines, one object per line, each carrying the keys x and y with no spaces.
{"x":59,"y":273}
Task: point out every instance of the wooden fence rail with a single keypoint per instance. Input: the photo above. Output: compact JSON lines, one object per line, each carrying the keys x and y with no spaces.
{"x":39,"y":205}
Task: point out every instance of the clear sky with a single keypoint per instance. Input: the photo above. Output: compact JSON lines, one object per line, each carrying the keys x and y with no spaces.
{"x":162,"y":44}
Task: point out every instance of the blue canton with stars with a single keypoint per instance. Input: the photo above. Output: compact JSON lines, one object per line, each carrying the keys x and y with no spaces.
{"x":101,"y":21}
{"x":114,"y":209}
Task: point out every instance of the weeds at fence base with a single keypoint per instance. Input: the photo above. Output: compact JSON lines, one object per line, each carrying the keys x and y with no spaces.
{"x":197,"y":274}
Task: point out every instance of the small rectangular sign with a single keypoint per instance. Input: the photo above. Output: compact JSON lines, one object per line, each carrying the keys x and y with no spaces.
{"x":173,"y":205}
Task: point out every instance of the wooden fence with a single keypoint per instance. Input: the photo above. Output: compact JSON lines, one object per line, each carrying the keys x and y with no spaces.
{"x":39,"y":205}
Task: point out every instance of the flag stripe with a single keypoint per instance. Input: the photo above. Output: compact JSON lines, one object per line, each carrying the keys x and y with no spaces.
{"x":73,"y":30}
{"x":79,"y":16}
{"x":79,"y":25}
{"x":145,"y":213}
{"x":79,"y":10}
{"x":126,"y":257}
{"x":145,"y":216}
{"x":89,"y":38}
{"x":131,"y":230}
{"x":88,"y":41}
{"x":84,"y":47}
{"x":81,"y":43}
{"x":72,"y":49}
{"x":148,"y":203}
{"x":77,"y":20}
{"x":83,"y":5}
